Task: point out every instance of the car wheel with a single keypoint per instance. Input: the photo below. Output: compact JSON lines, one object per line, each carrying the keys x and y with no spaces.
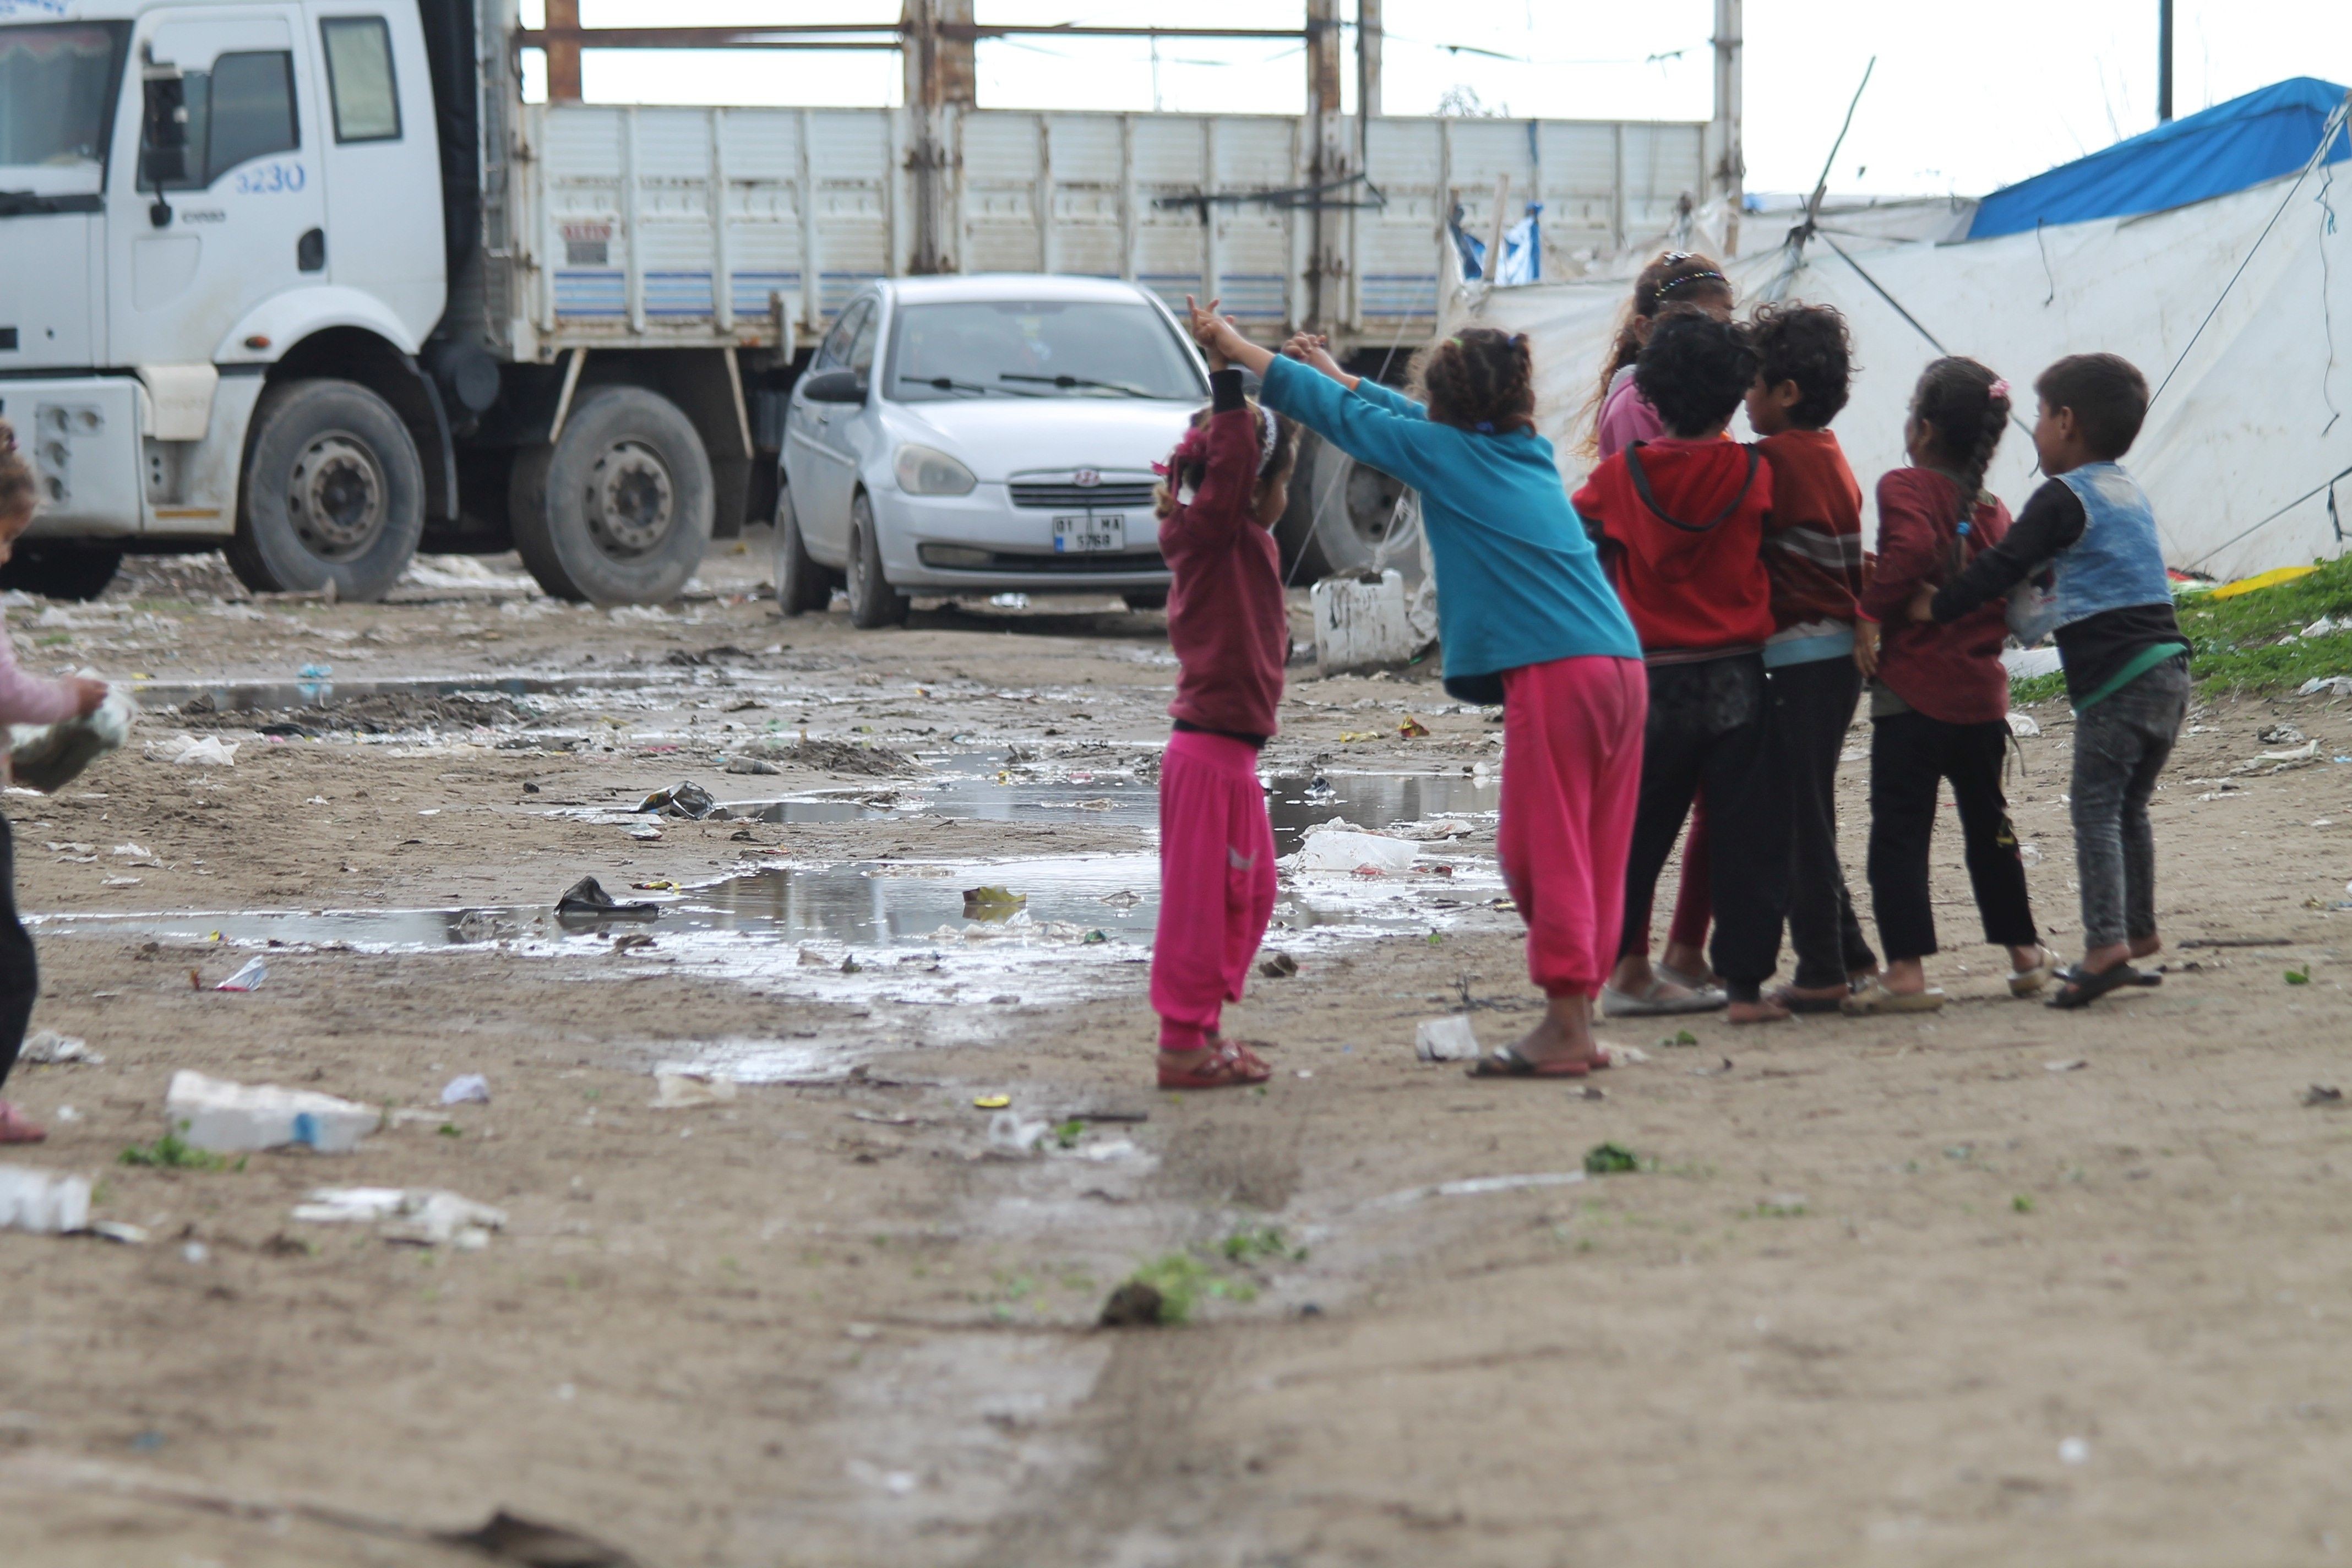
{"x":1346,"y":516}
{"x":56,"y":570}
{"x":872,"y":601}
{"x":333,"y":494}
{"x":801,"y":585}
{"x":618,"y":510}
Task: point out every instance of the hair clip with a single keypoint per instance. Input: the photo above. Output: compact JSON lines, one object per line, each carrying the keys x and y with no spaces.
{"x":2000,"y":388}
{"x":1672,"y":257}
{"x":1160,"y":468}
{"x":1484,"y":427}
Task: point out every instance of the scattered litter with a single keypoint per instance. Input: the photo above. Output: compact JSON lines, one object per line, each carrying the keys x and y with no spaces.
{"x":483,"y":925}
{"x":2323,"y":1094}
{"x":751,"y":765}
{"x":1410,"y":729}
{"x":992,"y":903}
{"x":50,"y":1048}
{"x":417,"y":1216}
{"x":676,"y":1090}
{"x":2326,"y":685}
{"x":1009,"y":1134}
{"x":1711,"y":1072}
{"x":1278,"y":965}
{"x":467,"y":1089}
{"x":1782,"y":1205}
{"x":2023,"y":724}
{"x":2280,"y":735}
{"x":684,"y":798}
{"x":2322,"y":627}
{"x":43,"y":1202}
{"x":2306,"y":752}
{"x":1623,"y":1055}
{"x":1610,"y":1158}
{"x":118,"y":1232}
{"x":1137,"y":1304}
{"x":991,"y":1101}
{"x":587,"y":900}
{"x":1124,"y":898}
{"x":812,"y":960}
{"x":211,"y":752}
{"x":1346,"y":848}
{"x":2074,"y":1451}
{"x":2077,"y":1065}
{"x":1448,"y":1039}
{"x":122,"y":882}
{"x":47,"y":757}
{"x":249,"y":977}
{"x":228,"y":1118}
{"x":1362,"y":622}
{"x":196,"y":1252}
{"x":1475,"y":1186}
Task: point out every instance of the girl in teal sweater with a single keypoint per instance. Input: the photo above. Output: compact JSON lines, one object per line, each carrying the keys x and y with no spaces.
{"x":1527,"y":619}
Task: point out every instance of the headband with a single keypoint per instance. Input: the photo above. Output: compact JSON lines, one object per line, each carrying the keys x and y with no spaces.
{"x":1708,"y":276}
{"x":1273,"y":430}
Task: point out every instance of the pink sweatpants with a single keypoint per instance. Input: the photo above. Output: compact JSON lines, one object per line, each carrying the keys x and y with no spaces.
{"x":1216,"y":882}
{"x":1572,"y":778}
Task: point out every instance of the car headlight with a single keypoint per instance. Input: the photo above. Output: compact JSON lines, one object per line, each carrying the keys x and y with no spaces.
{"x":925,"y":472}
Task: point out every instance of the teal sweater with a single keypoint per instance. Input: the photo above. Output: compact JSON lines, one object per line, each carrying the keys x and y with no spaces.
{"x":1518,"y":583}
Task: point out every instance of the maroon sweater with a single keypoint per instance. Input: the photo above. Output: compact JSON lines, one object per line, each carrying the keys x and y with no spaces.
{"x":1951,"y":671}
{"x":1226,"y":618}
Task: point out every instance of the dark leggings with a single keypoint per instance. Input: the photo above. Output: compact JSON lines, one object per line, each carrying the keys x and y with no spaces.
{"x":1910,"y":755}
{"x":20,"y":979}
{"x":1813,"y":704}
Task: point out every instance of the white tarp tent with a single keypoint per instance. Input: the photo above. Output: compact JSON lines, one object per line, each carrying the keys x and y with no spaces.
{"x":2241,"y":445}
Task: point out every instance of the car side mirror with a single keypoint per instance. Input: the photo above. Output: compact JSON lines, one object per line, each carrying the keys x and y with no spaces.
{"x":834,"y":386}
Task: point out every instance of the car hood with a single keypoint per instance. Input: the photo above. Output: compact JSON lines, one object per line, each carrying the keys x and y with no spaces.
{"x":999,"y":437}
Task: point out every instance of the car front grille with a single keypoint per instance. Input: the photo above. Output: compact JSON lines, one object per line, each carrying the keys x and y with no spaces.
{"x":1114,"y":496}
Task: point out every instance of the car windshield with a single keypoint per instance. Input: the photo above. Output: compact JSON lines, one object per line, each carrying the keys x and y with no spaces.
{"x":57,"y":105}
{"x":1033,"y":348}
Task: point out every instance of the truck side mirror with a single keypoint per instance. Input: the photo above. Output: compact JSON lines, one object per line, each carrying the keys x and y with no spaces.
{"x":163,"y":132}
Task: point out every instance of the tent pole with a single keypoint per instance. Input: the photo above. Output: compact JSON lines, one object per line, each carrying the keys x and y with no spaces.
{"x":2163,"y":61}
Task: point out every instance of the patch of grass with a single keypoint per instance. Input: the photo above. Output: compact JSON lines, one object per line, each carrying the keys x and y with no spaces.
{"x":2037,"y":688}
{"x":1068,"y":1134}
{"x":450,"y":1130}
{"x":172,"y":1152}
{"x":1679,"y":1037}
{"x":1610,"y":1158}
{"x":2021,"y":1204}
{"x":2299,"y":976}
{"x":2234,"y":643}
{"x":1266,"y":1241}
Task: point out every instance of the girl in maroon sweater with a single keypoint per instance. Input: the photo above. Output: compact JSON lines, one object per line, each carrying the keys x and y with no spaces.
{"x":1939,"y":705}
{"x":1227,"y":484}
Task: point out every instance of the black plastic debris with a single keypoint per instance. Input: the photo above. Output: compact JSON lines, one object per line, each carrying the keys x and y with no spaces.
{"x":684,"y":798}
{"x":586,"y":900}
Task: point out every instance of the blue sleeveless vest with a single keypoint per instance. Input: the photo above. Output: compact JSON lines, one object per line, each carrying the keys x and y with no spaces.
{"x":2118,"y":562}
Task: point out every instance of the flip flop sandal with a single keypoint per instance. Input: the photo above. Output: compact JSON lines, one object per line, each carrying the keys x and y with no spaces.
{"x":1686,"y":981}
{"x":2147,"y":977}
{"x":2026,"y":982}
{"x":1228,"y":1068}
{"x":1786,"y":995}
{"x":2081,"y":990}
{"x":1616,"y":1003}
{"x":1504,"y":1061}
{"x":1876,"y":999}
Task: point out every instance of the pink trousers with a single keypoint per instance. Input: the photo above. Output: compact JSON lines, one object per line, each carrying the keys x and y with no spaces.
{"x":1572,"y":778}
{"x":1216,"y":883}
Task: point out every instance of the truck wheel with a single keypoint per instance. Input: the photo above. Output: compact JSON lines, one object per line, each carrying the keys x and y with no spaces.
{"x":872,"y":601}
{"x":56,"y":570}
{"x":618,"y":510}
{"x":801,"y":585}
{"x":333,"y":492}
{"x":1344,"y":516}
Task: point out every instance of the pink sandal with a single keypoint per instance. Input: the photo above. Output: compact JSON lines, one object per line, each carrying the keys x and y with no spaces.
{"x":17,"y":1128}
{"x":1229,"y":1067}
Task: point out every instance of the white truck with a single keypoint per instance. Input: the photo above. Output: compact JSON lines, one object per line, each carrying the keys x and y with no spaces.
{"x":309,"y":282}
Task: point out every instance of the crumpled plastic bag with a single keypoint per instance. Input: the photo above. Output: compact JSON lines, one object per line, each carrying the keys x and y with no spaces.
{"x":47,"y":757}
{"x":212,"y":752}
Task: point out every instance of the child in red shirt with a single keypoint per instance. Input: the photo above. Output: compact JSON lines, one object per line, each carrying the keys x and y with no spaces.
{"x":1814,"y":661}
{"x":1227,"y":483}
{"x":1681,"y":523}
{"x":1939,"y":705}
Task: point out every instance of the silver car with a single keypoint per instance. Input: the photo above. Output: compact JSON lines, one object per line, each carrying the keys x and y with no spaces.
{"x":983,"y":434}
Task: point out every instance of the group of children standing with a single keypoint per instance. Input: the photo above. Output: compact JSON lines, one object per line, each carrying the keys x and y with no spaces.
{"x":1687,"y":641}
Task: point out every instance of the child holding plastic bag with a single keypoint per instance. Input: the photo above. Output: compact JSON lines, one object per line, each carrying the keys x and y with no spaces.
{"x":1226,"y":485}
{"x":1527,"y":620}
{"x":24,"y":700}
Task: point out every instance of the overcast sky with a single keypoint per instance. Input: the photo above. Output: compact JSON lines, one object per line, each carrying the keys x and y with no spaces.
{"x":1965,"y":98}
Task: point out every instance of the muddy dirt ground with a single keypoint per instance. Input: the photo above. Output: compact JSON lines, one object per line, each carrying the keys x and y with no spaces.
{"x":1998,"y":1284}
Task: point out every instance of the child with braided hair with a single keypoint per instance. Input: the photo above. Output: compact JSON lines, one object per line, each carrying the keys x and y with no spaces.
{"x":24,"y":700}
{"x":1527,"y":619}
{"x":1939,"y":704}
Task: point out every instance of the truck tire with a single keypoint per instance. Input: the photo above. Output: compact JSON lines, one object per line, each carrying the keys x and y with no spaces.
{"x":1341,"y":514}
{"x":802,"y":586}
{"x":618,"y":510}
{"x":333,"y":492}
{"x":872,"y":601}
{"x":58,"y":570}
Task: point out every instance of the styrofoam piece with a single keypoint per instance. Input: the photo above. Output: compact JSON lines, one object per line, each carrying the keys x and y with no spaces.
{"x":43,"y":1202}
{"x":2023,"y":724}
{"x":234,"y":1118}
{"x":1341,"y":849}
{"x":424,"y":1217}
{"x":1361,"y":624}
{"x":1448,"y":1039}
{"x":685,"y":1090}
{"x":47,"y":757}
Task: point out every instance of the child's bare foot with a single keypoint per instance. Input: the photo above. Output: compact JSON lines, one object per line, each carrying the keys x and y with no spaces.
{"x":2146,"y":947}
{"x":1763,"y":1010}
{"x":1561,"y":1045}
{"x":1686,"y":966}
{"x":1636,"y":990}
{"x":1809,"y":998}
{"x":15,"y":1127}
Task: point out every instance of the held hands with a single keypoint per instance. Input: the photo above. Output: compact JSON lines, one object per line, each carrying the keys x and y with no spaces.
{"x":1865,"y":648}
{"x":1314,"y":350}
{"x":1222,"y":342}
{"x":87,"y":694}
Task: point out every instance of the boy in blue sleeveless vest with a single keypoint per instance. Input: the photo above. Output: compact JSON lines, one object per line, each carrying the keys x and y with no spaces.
{"x":2126,"y":663}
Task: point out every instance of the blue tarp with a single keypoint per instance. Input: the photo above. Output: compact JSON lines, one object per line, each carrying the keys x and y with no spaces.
{"x":2223,"y":149}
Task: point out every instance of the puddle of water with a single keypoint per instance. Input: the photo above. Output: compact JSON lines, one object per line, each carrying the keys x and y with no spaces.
{"x":273,"y":696}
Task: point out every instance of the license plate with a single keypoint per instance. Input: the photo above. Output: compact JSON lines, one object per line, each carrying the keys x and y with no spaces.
{"x":1086,"y":535}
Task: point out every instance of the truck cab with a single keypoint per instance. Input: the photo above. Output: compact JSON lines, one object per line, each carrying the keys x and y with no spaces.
{"x":207,"y":224}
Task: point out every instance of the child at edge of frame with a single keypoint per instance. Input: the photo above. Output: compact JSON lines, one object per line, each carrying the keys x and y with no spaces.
{"x":24,"y":700}
{"x":2119,"y":644}
{"x":1222,"y":489}
{"x":1526,"y":619}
